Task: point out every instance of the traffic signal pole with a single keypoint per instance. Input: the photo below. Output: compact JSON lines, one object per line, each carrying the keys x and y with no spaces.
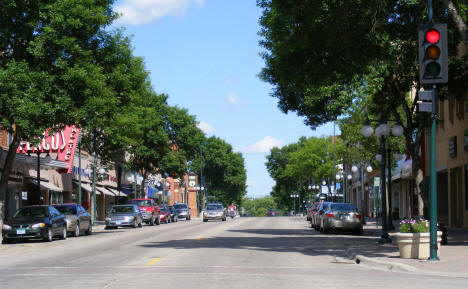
{"x":433,"y":169}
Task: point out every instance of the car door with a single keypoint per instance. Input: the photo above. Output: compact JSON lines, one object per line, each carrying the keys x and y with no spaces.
{"x":55,"y":221}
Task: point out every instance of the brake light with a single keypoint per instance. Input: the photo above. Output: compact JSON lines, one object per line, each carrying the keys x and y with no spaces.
{"x":330,"y":215}
{"x":358,"y":216}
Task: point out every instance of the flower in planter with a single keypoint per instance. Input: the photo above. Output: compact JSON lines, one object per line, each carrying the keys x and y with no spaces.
{"x":417,"y":225}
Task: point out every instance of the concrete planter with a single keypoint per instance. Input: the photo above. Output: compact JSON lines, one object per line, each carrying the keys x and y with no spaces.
{"x":416,"y":245}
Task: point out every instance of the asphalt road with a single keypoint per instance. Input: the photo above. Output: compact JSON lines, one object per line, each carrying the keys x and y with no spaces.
{"x":279,"y":252}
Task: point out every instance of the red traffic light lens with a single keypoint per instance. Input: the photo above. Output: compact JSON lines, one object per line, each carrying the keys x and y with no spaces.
{"x":432,"y":36}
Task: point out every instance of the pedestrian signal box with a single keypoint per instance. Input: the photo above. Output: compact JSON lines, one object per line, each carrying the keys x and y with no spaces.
{"x":433,"y":57}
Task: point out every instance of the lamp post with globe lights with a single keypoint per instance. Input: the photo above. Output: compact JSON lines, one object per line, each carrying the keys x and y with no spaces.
{"x":92,"y":172}
{"x":381,"y":131}
{"x":354,"y":169}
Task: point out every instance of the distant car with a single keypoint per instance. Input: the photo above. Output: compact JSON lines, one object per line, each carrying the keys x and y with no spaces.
{"x":183,"y":211}
{"x":272,"y":213}
{"x":164,"y":214}
{"x":124,"y":216}
{"x":78,"y":219}
{"x":173,"y":211}
{"x":35,"y":222}
{"x":214,"y":211}
{"x":342,"y":217}
{"x":149,"y":210}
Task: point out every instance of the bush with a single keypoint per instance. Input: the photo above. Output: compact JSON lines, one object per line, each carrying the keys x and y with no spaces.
{"x":414,"y":226}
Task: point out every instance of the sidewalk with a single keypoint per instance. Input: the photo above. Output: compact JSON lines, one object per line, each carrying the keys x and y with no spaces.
{"x":453,"y":256}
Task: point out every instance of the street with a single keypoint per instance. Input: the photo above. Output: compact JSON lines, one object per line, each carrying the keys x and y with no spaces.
{"x":276,"y":252}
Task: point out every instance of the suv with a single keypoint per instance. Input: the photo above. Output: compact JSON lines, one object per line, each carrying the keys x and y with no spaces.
{"x":149,"y":210}
{"x":183,"y":211}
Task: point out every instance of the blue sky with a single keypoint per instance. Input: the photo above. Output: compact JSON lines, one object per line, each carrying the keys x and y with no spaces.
{"x":205,"y":55}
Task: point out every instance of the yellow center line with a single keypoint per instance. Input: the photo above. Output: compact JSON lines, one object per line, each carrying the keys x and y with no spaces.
{"x":199,"y":238}
{"x":153,"y":261}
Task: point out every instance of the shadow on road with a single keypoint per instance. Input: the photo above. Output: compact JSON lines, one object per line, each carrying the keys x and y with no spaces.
{"x":304,"y":241}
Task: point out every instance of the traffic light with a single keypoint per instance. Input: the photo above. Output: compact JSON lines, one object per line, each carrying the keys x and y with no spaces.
{"x":433,"y":60}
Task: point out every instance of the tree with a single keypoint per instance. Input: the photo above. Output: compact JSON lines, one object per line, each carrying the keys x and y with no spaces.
{"x":321,"y":56}
{"x":47,"y":68}
{"x":223,"y":170}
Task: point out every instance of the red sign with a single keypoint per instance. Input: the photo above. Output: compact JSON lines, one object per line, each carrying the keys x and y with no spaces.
{"x":63,"y":143}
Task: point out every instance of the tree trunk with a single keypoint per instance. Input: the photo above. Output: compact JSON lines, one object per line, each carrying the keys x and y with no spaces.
{"x":418,"y":179}
{"x":7,"y":167}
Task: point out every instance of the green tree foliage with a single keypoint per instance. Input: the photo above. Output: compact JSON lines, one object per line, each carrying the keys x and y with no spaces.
{"x":310,"y":158}
{"x":258,"y":207}
{"x":323,"y":55}
{"x":224,"y":171}
{"x":47,"y":66}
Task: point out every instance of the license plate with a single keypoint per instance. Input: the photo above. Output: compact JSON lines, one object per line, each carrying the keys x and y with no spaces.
{"x":344,"y":217}
{"x":20,"y":231}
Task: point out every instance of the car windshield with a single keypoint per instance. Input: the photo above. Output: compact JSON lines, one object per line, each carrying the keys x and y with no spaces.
{"x":180,"y":206}
{"x":67,"y":210}
{"x":163,"y":209}
{"x":32,"y":212}
{"x":343,"y":207}
{"x":122,"y":209}
{"x":141,"y":203}
{"x":214,"y":207}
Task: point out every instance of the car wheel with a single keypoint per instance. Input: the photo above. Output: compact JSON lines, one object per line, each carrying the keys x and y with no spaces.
{"x":151,"y":222}
{"x":63,"y":236}
{"x":205,"y":220}
{"x":77,"y":232}
{"x":224,"y":219}
{"x":6,"y":241}
{"x":49,"y":237}
{"x":89,"y":231}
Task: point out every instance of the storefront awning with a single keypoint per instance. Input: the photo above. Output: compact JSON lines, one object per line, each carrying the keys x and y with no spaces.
{"x":46,"y":185}
{"x":89,"y":188}
{"x":116,"y":192}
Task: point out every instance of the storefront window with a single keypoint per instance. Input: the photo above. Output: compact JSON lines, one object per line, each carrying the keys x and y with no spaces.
{"x":56,"y":197}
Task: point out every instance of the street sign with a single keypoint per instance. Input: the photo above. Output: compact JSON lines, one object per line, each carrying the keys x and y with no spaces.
{"x":425,"y":106}
{"x":425,"y":95}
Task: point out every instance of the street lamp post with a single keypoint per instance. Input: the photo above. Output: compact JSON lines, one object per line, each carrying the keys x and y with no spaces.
{"x":381,"y":131}
{"x":38,"y":172}
{"x":101,"y":172}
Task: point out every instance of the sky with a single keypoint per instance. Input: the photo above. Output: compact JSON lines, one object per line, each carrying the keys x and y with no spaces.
{"x":205,"y":55}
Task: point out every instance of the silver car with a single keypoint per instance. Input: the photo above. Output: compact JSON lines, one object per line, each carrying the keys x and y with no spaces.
{"x":78,"y":219}
{"x":341,"y":217}
{"x":182,"y":211}
{"x":124,"y":216}
{"x":214,"y":211}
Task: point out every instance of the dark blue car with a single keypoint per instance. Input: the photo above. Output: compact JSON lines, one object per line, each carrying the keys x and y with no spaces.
{"x":35,"y":222}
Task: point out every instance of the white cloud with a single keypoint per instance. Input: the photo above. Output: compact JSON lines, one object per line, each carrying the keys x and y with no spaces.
{"x":233,"y":102}
{"x":206,"y":127}
{"x":262,"y":146}
{"x":140,"y":12}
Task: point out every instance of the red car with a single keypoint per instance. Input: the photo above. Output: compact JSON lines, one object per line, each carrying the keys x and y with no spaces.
{"x":165,"y":214}
{"x":272,"y":213}
{"x":149,"y":210}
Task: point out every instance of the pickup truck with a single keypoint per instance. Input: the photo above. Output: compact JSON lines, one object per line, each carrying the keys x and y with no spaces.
{"x":149,"y":210}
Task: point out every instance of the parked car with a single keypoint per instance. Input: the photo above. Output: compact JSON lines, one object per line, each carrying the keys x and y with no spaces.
{"x":214,"y":211}
{"x":165,"y":214}
{"x":35,"y":222}
{"x":149,"y":210}
{"x":124,"y":216}
{"x":316,"y":220}
{"x":173,"y":211}
{"x":272,"y":213}
{"x":341,"y":216}
{"x":77,"y":218}
{"x":183,"y":211}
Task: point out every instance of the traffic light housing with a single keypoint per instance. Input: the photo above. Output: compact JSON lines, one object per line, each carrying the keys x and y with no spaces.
{"x":433,"y":58}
